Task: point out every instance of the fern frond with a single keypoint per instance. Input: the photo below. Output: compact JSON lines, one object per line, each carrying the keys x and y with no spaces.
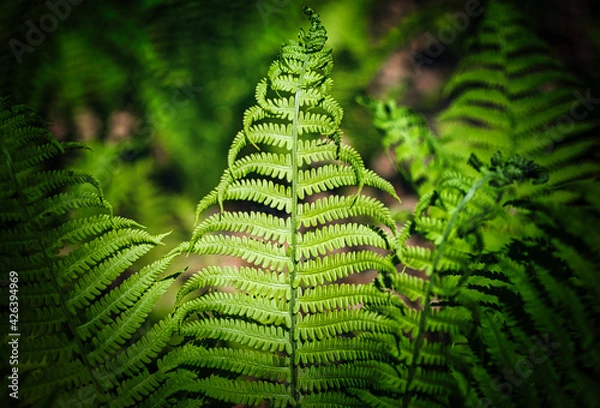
{"x":272,"y":324}
{"x":262,"y":365}
{"x":244,"y":392}
{"x":243,"y":279}
{"x":330,"y":268}
{"x":508,"y":97}
{"x":80,"y":322}
{"x":514,"y":103}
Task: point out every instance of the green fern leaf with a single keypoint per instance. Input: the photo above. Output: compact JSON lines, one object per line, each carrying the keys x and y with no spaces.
{"x":271,"y":322}
{"x":80,"y":323}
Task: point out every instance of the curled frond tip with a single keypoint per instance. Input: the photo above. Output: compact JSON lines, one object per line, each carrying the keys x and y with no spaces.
{"x":316,"y":37}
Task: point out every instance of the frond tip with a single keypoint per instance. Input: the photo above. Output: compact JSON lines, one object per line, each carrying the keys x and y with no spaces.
{"x":315,"y":39}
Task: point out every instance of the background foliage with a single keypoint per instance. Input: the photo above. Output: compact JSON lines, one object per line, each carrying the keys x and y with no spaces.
{"x":164,"y":82}
{"x":158,"y":89}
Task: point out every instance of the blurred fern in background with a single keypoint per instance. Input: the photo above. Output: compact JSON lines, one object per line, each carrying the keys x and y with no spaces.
{"x":506,"y":280}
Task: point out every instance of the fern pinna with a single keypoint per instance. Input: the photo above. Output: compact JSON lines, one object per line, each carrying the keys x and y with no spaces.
{"x":280,"y":323}
{"x":78,"y":317}
{"x":511,"y":287}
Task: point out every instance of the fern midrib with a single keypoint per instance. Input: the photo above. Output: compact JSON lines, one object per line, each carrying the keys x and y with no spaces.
{"x":433,"y":281}
{"x":61,"y":295}
{"x":294,"y":236}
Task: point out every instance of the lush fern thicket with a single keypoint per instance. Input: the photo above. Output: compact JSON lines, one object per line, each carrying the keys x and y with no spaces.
{"x":309,"y":294}
{"x":78,"y":322}
{"x":515,"y":255}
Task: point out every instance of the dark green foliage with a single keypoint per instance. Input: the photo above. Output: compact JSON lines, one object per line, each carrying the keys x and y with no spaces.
{"x":184,"y":70}
{"x":501,"y":303}
{"x":82,"y":317}
{"x":508,"y":94}
{"x":407,"y":132}
{"x":509,"y":305}
{"x":131,"y":188}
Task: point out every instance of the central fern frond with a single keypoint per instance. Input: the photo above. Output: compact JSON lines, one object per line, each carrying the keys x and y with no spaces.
{"x":278,"y":321}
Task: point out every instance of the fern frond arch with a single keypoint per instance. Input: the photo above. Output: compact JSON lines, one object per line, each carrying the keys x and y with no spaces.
{"x":293,"y":212}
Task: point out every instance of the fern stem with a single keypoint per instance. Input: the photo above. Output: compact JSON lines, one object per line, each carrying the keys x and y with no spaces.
{"x":433,"y":279}
{"x":294,"y":278}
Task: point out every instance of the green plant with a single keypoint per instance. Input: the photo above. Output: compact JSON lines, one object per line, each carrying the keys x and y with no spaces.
{"x":302,"y":303}
{"x":78,"y":317}
{"x":281,"y":323}
{"x":292,"y":324}
{"x":508,"y":94}
{"x":509,"y":272}
{"x":130,"y":187}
